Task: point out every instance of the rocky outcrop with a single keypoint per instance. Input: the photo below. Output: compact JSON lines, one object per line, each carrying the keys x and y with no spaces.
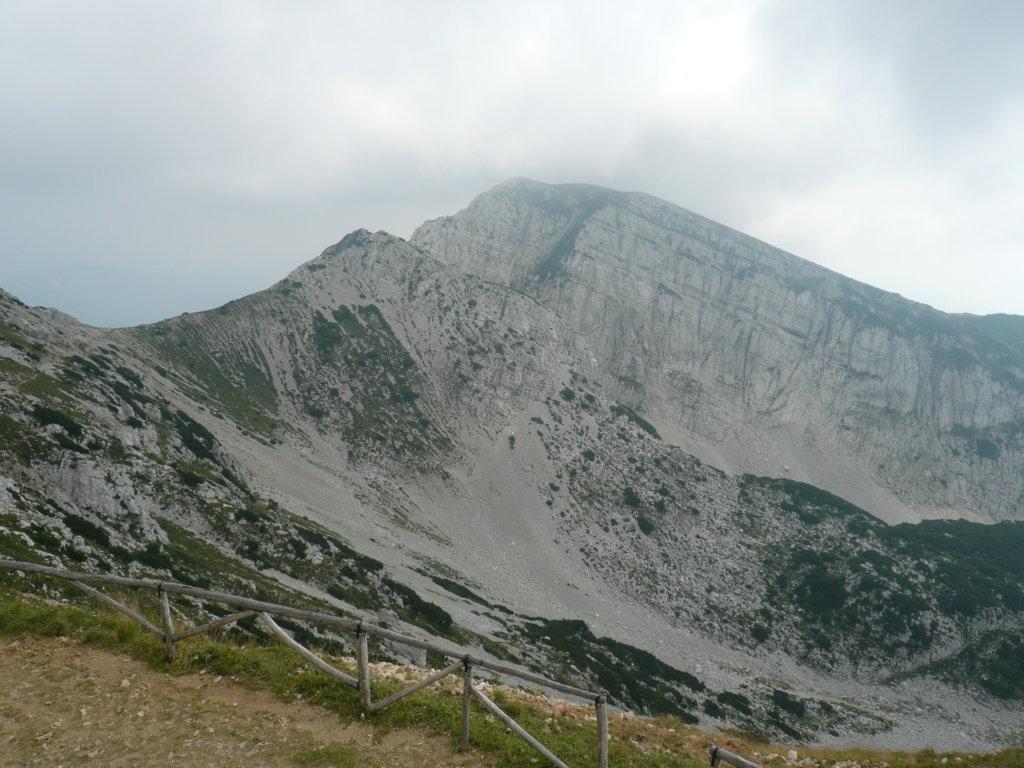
{"x":756,"y":360}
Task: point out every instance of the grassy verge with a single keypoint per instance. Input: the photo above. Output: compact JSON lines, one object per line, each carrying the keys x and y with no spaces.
{"x":636,"y":743}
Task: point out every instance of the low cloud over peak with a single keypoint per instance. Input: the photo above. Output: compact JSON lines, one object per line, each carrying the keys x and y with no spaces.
{"x":236,"y":140}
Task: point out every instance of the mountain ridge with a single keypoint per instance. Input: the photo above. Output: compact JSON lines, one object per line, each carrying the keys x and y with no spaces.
{"x":381,"y":427}
{"x":666,"y":284}
{"x":525,"y":181}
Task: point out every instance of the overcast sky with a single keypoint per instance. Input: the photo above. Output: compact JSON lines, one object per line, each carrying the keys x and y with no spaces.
{"x":161,"y":157}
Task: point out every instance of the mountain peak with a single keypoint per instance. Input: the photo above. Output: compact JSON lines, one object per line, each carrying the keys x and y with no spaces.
{"x":708,"y":332}
{"x":519,"y":230}
{"x":559,"y":198}
{"x":361,"y":238}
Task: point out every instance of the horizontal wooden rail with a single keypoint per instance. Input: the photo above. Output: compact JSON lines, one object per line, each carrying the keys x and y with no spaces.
{"x":259,"y":606}
{"x":362,"y":630}
{"x":317,"y":617}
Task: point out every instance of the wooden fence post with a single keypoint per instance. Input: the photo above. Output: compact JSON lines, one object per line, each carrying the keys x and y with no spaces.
{"x":467,"y":697}
{"x":363,"y":663}
{"x":165,"y":609}
{"x":601,"y":707}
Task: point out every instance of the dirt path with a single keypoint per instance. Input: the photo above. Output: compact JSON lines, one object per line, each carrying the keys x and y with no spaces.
{"x":66,"y":704}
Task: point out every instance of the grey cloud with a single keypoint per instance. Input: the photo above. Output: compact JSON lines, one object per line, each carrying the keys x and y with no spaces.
{"x":954,"y":64}
{"x":232,"y":141}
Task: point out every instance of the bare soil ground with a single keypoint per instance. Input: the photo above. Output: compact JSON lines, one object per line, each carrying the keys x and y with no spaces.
{"x":67,"y":704}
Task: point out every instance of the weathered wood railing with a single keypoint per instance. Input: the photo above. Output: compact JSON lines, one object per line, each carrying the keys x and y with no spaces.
{"x":265,"y":612}
{"x":719,"y":756}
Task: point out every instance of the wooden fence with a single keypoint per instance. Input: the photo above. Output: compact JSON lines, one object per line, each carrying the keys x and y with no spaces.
{"x":461,"y":663}
{"x":719,"y":756}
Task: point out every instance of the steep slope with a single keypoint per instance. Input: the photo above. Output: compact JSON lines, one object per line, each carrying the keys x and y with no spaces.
{"x":758,"y":361}
{"x":383,"y":431}
{"x":102,"y":468}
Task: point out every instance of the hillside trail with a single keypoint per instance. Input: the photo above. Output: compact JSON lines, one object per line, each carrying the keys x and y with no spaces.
{"x":66,"y":704}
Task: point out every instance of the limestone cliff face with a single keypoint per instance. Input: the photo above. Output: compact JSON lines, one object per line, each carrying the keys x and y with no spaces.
{"x":457,"y":433}
{"x":375,"y":348}
{"x":756,"y":360}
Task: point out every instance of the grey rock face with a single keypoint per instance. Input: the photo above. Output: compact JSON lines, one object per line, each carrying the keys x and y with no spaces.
{"x":518,"y":425}
{"x":756,"y":360}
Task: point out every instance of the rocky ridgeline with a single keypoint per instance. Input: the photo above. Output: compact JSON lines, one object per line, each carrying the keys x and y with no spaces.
{"x":524,"y":432}
{"x":757,"y":360}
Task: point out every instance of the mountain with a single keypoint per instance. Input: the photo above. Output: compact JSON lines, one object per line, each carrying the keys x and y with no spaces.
{"x":758,"y":361}
{"x":475,"y":434}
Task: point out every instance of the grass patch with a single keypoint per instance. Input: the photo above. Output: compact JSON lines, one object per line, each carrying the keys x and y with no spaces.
{"x":194,"y":474}
{"x":273,"y":667}
{"x":22,"y":440}
{"x":637,"y":419}
{"x":661,"y":743}
{"x":46,"y":416}
{"x":10,"y":335}
{"x":335,"y":756}
{"x":45,"y":387}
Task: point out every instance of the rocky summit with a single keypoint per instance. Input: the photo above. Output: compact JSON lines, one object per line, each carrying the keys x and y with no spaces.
{"x":758,"y":361}
{"x":583,"y":431}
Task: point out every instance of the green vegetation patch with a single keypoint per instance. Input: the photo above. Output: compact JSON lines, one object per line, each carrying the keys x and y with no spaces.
{"x":856,"y":588}
{"x":12,"y":336}
{"x":631,"y":676}
{"x":976,"y":566}
{"x":237,"y":381}
{"x":645,"y":524}
{"x":193,"y":474}
{"x":637,"y":419}
{"x":46,"y":388}
{"x":196,"y":561}
{"x":630,"y":497}
{"x":12,"y":369}
{"x":812,"y":504}
{"x":418,"y":611}
{"x":195,"y":436}
{"x":23,"y":441}
{"x":994,"y":662}
{"x":458,"y":589}
{"x":384,"y":413}
{"x":87,"y":529}
{"x":46,"y":415}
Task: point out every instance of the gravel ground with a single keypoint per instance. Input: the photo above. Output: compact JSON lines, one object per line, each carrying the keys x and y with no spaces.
{"x":65,"y":704}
